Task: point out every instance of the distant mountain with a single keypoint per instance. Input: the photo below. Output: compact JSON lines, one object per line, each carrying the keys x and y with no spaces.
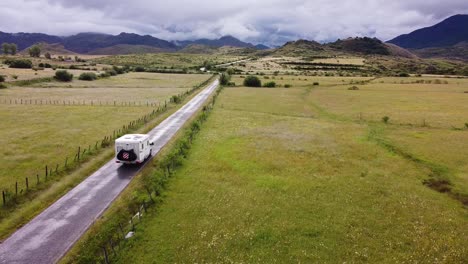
{"x":87,"y":42}
{"x":221,"y":42}
{"x":98,"y":43}
{"x":24,"y":40}
{"x":449,"y":32}
{"x":261,"y":47}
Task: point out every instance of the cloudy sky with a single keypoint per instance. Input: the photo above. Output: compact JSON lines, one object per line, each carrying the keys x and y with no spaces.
{"x":259,"y":21}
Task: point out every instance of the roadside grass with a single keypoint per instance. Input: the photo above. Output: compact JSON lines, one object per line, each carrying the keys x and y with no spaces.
{"x":40,"y":135}
{"x":264,"y":184}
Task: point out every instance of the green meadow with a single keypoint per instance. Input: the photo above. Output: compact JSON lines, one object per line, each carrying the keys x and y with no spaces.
{"x":312,"y":174}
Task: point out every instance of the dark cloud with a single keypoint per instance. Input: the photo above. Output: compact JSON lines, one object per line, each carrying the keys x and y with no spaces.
{"x":272,"y":22}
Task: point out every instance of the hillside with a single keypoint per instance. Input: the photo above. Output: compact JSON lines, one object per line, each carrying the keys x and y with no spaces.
{"x":25,"y":40}
{"x":449,"y":32}
{"x":53,"y":49}
{"x":456,"y":52}
{"x":199,"y":49}
{"x":350,"y":46}
{"x":223,"y":41}
{"x":124,"y":49}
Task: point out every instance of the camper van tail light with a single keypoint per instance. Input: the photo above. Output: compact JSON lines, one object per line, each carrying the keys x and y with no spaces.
{"x":117,"y":161}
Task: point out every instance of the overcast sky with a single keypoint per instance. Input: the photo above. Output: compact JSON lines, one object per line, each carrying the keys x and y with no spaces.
{"x":257,"y":21}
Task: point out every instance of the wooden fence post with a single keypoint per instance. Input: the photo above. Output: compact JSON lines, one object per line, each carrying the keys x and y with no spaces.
{"x":121,"y":230}
{"x":27,"y":183}
{"x":106,"y":257}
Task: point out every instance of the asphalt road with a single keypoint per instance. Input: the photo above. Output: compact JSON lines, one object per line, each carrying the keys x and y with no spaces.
{"x":53,"y":232}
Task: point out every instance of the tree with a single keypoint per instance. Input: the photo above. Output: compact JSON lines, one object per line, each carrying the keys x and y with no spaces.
{"x":224,"y":78}
{"x":13,"y":48}
{"x":35,"y":51}
{"x":5,"y":48}
{"x":9,"y":48}
{"x":252,"y":81}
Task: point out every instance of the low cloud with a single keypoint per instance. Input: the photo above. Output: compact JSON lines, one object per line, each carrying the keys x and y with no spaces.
{"x":272,"y":22}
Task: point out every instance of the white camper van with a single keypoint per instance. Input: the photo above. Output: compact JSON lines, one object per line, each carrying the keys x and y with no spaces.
{"x":132,"y":148}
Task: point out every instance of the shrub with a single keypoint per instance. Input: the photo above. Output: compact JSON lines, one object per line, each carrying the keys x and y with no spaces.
{"x":63,"y":76}
{"x":270,"y":85}
{"x":104,"y":75}
{"x":48,"y":56}
{"x":87,"y":76}
{"x":385,"y":119}
{"x":176,"y":99}
{"x":111,"y":72}
{"x":2,"y":86}
{"x":403,"y":74}
{"x":118,"y":70}
{"x":73,"y":67}
{"x":231,"y":84}
{"x":316,"y":83}
{"x":14,"y":76}
{"x":466,"y":125}
{"x":252,"y":81}
{"x":140,"y":69}
{"x":224,"y":78}
{"x":353,"y":88}
{"x":19,"y":63}
{"x":2,"y":78}
{"x":287,"y":86}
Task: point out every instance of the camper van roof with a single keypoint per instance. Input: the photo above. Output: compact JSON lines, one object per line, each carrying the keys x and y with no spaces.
{"x":132,"y":138}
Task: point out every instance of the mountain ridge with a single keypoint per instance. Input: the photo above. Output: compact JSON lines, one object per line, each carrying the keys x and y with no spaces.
{"x":448,"y":32}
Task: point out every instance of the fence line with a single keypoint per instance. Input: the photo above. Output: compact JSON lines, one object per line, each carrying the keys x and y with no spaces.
{"x":11,"y":194}
{"x":21,"y":101}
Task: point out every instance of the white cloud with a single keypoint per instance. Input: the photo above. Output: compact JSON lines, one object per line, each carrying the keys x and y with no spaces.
{"x":265,"y":21}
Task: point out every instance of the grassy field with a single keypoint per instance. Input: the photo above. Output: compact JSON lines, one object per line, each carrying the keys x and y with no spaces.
{"x":166,"y":60}
{"x":37,"y":135}
{"x":288,"y":175}
{"x":131,"y":87}
{"x":12,"y":74}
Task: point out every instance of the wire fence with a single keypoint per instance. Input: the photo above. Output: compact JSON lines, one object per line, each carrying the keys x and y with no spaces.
{"x":49,"y":102}
{"x":12,"y":194}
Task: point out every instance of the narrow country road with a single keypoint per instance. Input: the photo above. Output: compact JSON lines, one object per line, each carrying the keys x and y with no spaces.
{"x":53,"y":232}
